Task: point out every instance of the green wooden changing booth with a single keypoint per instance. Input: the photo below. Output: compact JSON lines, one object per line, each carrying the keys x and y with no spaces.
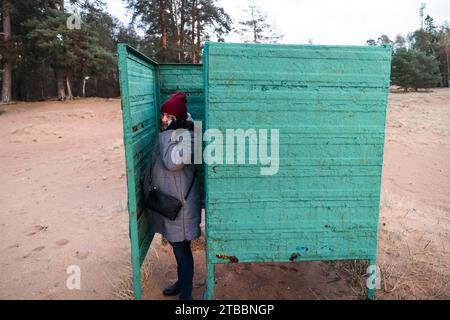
{"x":328,"y":104}
{"x":144,"y":85}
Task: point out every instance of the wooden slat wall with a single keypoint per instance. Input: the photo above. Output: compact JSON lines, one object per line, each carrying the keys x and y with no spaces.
{"x":187,"y":78}
{"x":329,"y":104}
{"x":139,"y":100}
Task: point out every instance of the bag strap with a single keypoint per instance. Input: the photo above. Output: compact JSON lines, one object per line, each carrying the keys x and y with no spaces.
{"x":192,"y":183}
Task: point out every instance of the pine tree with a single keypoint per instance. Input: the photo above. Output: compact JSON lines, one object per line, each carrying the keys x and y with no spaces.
{"x":425,"y":39}
{"x":256,"y":29}
{"x":444,"y":54}
{"x":382,"y":40}
{"x":414,"y":69}
{"x":400,"y":42}
{"x":6,"y":45}
{"x":71,"y":53}
{"x":179,"y":27}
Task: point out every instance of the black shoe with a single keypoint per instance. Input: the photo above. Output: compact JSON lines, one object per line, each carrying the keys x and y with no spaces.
{"x":173,"y":290}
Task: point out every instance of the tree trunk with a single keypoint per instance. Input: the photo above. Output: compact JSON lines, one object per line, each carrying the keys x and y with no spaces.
{"x":163,"y":30}
{"x":7,"y":82}
{"x":84,"y":88}
{"x":254,"y":25}
{"x":448,"y":69}
{"x":174,"y":28}
{"x":174,"y":15}
{"x":61,"y":91}
{"x":69,"y":88}
{"x":182,"y":23}
{"x":7,"y":68}
{"x":194,"y":20}
{"x":198,"y":47}
{"x":59,"y":72}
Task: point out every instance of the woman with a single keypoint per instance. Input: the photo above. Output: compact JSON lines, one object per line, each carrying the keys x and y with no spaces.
{"x":174,"y":174}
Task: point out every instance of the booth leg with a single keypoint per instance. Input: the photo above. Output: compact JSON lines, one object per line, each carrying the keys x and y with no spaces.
{"x":137,"y":285}
{"x":372,"y":281}
{"x":137,"y":281}
{"x":210,"y":280}
{"x":135,"y":261}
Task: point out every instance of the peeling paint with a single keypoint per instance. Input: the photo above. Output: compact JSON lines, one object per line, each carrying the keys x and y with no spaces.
{"x":302,"y":249}
{"x":294,"y":256}
{"x":137,"y":127}
{"x":232,"y":259}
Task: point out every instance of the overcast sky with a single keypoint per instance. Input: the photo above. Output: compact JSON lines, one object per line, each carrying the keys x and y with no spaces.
{"x":349,"y":22}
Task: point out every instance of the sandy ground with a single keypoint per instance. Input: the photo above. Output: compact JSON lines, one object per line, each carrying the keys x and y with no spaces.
{"x":63,"y":203}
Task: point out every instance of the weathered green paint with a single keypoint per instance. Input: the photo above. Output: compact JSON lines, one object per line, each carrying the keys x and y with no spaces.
{"x":138,"y":91}
{"x":144,"y":85}
{"x":329,"y":104}
{"x":187,"y":78}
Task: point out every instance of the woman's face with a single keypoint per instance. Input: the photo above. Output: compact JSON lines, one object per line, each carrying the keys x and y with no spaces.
{"x":166,"y":120}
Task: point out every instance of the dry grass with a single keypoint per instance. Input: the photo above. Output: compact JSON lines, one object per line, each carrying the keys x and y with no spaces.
{"x":196,"y":244}
{"x":413,"y":261}
{"x":414,"y":274}
{"x":123,"y":290}
{"x":414,"y":280}
{"x":418,"y":279}
{"x":354,"y":272}
{"x":199,"y":243}
{"x":164,"y":242}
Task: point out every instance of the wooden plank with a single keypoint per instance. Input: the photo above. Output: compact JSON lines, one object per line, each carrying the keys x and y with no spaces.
{"x":264,"y":247}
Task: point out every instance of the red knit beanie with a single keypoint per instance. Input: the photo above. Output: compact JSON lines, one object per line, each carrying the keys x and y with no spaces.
{"x":175,"y":105}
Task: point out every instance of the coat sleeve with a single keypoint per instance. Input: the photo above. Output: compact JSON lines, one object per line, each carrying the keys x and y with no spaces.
{"x":176,"y":149}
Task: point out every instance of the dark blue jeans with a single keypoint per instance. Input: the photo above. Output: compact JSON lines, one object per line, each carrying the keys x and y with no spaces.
{"x":185,"y":267}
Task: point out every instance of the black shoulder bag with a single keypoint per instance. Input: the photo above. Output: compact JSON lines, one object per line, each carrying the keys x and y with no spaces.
{"x":156,"y":200}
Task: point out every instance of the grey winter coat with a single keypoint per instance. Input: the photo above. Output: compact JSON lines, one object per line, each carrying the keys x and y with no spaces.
{"x":173,"y":177}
